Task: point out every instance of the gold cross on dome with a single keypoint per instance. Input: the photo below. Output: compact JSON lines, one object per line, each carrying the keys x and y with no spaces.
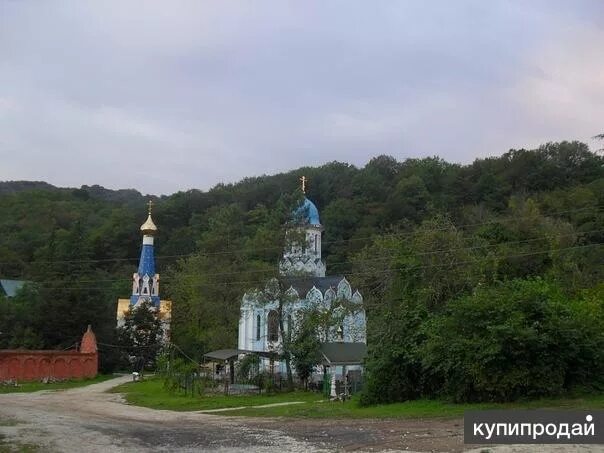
{"x":150,"y":204}
{"x":303,"y":181}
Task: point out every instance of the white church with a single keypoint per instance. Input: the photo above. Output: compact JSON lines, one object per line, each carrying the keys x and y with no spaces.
{"x":304,"y":284}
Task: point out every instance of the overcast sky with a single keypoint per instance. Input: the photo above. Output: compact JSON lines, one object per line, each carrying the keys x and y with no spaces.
{"x":171,"y":95}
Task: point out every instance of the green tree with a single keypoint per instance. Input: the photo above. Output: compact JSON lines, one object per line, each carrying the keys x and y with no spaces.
{"x":515,"y":339}
{"x":305,"y":345}
{"x":141,"y":337}
{"x":409,"y":200}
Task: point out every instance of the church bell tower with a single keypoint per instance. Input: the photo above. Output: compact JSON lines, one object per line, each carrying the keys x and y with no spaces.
{"x":145,"y":281}
{"x":302,"y":254}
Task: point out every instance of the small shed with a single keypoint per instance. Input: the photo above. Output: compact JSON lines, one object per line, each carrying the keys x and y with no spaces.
{"x":341,"y":354}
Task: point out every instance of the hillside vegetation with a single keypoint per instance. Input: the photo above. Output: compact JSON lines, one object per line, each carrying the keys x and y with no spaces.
{"x":482,"y":282}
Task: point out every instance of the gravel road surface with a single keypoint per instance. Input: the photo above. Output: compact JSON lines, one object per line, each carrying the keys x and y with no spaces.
{"x":88,"y":419}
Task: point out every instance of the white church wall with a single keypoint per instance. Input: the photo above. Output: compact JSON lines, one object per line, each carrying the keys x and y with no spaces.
{"x":241,"y":330}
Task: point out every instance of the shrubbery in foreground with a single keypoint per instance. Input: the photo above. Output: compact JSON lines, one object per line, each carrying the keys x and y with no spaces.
{"x":522,"y":338}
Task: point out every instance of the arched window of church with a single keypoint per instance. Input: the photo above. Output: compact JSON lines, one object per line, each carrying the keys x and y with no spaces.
{"x":316,"y":241}
{"x":258,"y":328}
{"x":273,"y":326}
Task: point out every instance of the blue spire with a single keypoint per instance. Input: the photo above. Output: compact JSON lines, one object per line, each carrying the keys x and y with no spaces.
{"x":146,"y":281}
{"x":146,"y":264}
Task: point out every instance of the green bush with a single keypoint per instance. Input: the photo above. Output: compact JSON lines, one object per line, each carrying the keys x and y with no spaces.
{"x":393,"y":366}
{"x":517,"y":339}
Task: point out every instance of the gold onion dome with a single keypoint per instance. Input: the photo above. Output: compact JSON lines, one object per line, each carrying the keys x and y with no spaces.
{"x":149,"y":227}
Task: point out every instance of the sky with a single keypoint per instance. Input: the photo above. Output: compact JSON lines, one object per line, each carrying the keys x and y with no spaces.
{"x":165,"y":96}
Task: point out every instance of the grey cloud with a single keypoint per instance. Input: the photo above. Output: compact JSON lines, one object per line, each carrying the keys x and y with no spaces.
{"x":168,"y":96}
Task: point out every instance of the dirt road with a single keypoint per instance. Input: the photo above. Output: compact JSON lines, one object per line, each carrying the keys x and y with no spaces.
{"x":88,"y":419}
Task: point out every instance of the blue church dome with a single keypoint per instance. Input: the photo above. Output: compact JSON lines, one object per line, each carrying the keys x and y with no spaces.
{"x":308,"y":213}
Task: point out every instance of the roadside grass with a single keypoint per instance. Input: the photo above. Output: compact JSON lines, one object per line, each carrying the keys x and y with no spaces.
{"x":26,"y":387}
{"x":413,"y":409}
{"x":152,"y":394}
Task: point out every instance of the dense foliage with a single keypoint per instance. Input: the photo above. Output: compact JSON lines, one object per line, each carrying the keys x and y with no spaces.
{"x":521,"y":338}
{"x":306,"y":344}
{"x":141,"y":337}
{"x":432,"y":245}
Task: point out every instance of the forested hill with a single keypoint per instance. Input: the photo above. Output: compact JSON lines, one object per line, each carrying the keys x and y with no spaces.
{"x":127,"y":196}
{"x":352,"y":201}
{"x":81,"y":246}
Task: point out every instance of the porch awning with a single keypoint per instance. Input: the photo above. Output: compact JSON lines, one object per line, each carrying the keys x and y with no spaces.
{"x":340,"y":353}
{"x":232,"y":354}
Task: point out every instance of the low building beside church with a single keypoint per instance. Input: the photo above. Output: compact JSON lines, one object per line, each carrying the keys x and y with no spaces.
{"x":304,"y":284}
{"x":145,"y":282}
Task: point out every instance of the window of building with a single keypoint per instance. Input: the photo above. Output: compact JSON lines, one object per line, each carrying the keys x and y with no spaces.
{"x":258,"y":328}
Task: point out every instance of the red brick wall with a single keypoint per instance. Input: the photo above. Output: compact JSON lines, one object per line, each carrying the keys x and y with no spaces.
{"x":25,"y":365}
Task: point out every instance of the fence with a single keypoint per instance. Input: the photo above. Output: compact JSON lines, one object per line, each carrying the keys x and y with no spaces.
{"x":28,"y":365}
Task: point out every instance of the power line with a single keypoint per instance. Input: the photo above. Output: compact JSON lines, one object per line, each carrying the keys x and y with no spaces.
{"x":108,"y":345}
{"x":383,"y":258}
{"x":248,"y":251}
{"x":461,"y":262}
{"x":499,"y":257}
{"x":184,"y":353}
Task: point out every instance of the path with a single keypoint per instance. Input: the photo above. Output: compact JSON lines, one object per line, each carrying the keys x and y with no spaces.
{"x":87,"y":419}
{"x":227,"y":409}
